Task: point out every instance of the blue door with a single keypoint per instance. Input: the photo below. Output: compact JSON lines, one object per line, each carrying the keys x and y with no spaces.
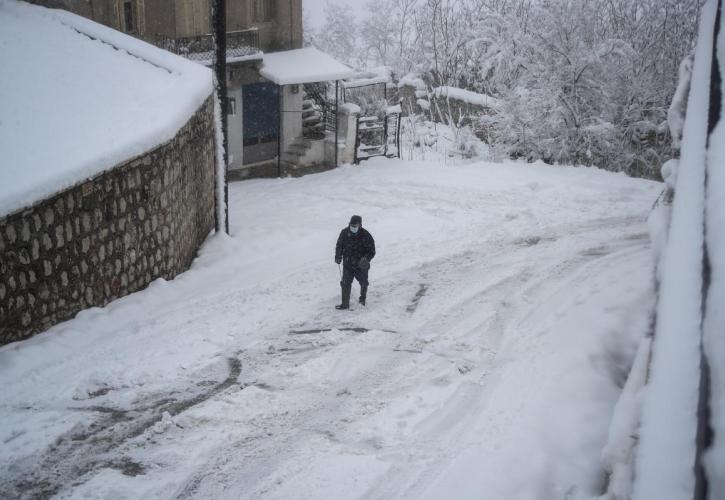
{"x":260,"y":113}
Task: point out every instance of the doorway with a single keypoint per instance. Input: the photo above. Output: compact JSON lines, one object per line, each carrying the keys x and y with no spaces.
{"x":260,"y":122}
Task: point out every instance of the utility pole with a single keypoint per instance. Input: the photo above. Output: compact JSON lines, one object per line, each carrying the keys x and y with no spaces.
{"x":219,"y":28}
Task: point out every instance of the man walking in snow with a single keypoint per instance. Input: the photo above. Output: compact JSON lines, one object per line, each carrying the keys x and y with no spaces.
{"x":355,"y":249}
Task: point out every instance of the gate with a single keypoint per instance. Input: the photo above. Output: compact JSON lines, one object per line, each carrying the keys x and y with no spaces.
{"x":378,"y":136}
{"x":392,"y":134}
{"x":378,"y":127}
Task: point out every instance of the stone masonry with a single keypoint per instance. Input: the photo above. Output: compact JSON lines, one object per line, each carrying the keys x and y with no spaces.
{"x":447,"y":109}
{"x":110,"y":236}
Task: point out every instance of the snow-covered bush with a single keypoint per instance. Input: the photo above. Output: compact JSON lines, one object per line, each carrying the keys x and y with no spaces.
{"x":465,"y":144}
{"x":423,"y":139}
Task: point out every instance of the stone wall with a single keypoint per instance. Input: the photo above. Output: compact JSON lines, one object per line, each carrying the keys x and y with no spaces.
{"x":408,"y":96}
{"x":447,"y":110}
{"x":110,"y":236}
{"x":347,"y":126}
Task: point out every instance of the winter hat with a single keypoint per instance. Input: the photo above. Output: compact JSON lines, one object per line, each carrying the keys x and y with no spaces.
{"x":355,"y":219}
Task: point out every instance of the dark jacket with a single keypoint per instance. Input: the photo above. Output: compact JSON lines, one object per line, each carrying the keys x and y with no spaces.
{"x":352,"y":247}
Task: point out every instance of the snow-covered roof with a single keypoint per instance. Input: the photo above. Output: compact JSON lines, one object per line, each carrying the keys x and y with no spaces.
{"x":77,"y":98}
{"x":302,"y":66}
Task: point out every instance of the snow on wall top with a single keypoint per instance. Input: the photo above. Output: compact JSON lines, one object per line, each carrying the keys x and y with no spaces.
{"x":306,"y":65}
{"x":413,"y":81}
{"x":465,"y":96}
{"x":373,"y":76}
{"x":350,"y":107}
{"x":77,"y":98}
{"x":714,"y":325}
{"x":362,"y":82}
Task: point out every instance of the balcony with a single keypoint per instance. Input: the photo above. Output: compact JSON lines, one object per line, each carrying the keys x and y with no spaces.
{"x":240,"y":44}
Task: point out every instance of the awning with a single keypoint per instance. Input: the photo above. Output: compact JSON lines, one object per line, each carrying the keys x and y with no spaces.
{"x":302,"y":66}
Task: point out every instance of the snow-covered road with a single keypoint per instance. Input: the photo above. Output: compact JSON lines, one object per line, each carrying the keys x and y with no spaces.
{"x":505,"y":306}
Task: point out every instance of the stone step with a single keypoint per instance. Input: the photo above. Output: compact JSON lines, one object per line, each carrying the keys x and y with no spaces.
{"x":311,"y":113}
{"x":294,"y":152}
{"x":313,"y":117}
{"x":299,"y":147}
{"x":291,"y":159}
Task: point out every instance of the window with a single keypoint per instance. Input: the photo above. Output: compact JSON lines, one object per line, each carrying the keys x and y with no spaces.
{"x":128,"y":17}
{"x":263,"y":10}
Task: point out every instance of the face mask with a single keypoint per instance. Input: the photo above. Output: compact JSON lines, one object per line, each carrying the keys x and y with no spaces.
{"x":354,"y":229}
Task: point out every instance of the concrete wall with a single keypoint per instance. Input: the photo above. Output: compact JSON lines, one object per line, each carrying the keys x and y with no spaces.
{"x":102,"y":11}
{"x":182,"y":18}
{"x":237,"y":15}
{"x":80,"y":7}
{"x":347,"y":130}
{"x":284,"y":32}
{"x":235,"y":129}
{"x":160,"y":18}
{"x":443,"y":109}
{"x":291,"y":114}
{"x":193,"y":17}
{"x":289,"y":25}
{"x":109,"y":236}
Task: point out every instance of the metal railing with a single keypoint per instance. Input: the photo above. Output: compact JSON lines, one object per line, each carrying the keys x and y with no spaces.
{"x":239,"y":44}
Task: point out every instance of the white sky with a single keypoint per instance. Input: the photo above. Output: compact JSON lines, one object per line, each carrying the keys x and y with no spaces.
{"x":316,"y":9}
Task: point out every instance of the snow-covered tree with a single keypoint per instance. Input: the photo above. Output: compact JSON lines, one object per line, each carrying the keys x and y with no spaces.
{"x":338,"y":36}
{"x":387,"y":32}
{"x":578,"y":81}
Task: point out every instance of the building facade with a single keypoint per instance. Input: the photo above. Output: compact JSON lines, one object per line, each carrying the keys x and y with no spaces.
{"x":278,"y":23}
{"x":274,"y":128}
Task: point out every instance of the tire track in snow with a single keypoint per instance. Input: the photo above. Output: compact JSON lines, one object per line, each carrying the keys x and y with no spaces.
{"x":395,"y":364}
{"x":85,"y":449}
{"x":446,"y":427}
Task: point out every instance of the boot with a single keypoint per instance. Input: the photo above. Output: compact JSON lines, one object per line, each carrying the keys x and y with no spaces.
{"x":363,"y":294}
{"x":345,"y":298}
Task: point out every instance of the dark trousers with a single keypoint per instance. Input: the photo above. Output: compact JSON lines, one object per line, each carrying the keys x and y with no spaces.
{"x":350,"y":272}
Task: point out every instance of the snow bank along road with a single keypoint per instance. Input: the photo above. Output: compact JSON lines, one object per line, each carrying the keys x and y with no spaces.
{"x":505,"y":306}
